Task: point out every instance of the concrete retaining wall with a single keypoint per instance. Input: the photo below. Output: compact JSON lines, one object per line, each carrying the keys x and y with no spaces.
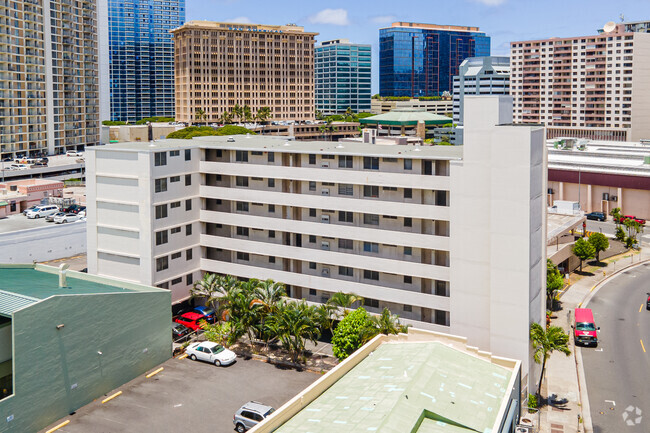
{"x":44,"y":243}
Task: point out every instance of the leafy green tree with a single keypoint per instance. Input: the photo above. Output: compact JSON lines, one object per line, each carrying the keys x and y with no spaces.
{"x":200,"y":115}
{"x":263,"y":114}
{"x":192,"y":131}
{"x":583,"y":250}
{"x":546,"y":342}
{"x":554,"y":282}
{"x":233,"y":130}
{"x":342,"y":302}
{"x":352,"y":332}
{"x":616,"y":215}
{"x":319,"y":115}
{"x":328,"y":129}
{"x":620,"y":234}
{"x":237,"y":112}
{"x":247,"y":114}
{"x":600,"y":243}
{"x":113,"y":122}
{"x":633,"y":228}
{"x":295,"y":323}
{"x":218,"y":332}
{"x":159,"y":119}
{"x":388,"y":323}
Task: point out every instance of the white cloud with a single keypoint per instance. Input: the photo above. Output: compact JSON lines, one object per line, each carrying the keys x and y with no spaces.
{"x":336,"y":17}
{"x":241,"y":20}
{"x":383,"y":19}
{"x":491,"y":2}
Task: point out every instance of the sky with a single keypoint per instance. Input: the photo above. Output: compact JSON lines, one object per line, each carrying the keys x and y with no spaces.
{"x":360,"y":21}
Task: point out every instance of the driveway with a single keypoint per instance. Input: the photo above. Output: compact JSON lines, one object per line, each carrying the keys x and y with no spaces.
{"x":189,"y":396}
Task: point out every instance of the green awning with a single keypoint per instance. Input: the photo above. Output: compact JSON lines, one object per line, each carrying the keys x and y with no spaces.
{"x":4,"y":203}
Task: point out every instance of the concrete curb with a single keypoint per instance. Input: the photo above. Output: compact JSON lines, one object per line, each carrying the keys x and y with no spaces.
{"x":582,"y":383}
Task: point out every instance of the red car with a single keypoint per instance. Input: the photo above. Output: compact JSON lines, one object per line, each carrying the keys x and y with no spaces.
{"x":191,"y":320}
{"x":631,"y":217}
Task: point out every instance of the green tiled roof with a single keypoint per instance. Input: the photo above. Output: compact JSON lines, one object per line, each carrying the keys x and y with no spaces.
{"x":405,"y":117}
{"x":403,"y":387}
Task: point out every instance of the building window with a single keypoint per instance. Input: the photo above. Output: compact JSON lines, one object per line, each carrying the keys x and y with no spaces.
{"x":312,"y":186}
{"x":161,"y":211}
{"x":174,"y":179}
{"x":408,"y":251}
{"x":162,"y":263}
{"x":188,"y":230}
{"x":188,"y":179}
{"x":161,"y":185}
{"x":408,"y":222}
{"x":271,"y":208}
{"x":408,"y":164}
{"x":371,"y":219}
{"x":346,"y":244}
{"x":162,"y":237}
{"x":177,"y":281}
{"x":345,"y":161}
{"x":346,"y":189}
{"x":370,"y":275}
{"x":271,"y":259}
{"x":160,"y":158}
{"x":370,"y":247}
{"x":442,"y":288}
{"x":346,"y":217}
{"x":312,"y":212}
{"x":374,"y":303}
{"x":243,"y":256}
{"x":312,"y":292}
{"x":175,"y":230}
{"x":188,"y":205}
{"x":241,"y":181}
{"x":242,"y":206}
{"x":408,"y":193}
{"x":312,"y":265}
{"x":370,"y":163}
{"x":189,"y":279}
{"x":271,"y":183}
{"x":176,"y":256}
{"x":370,"y":191}
{"x":188,"y":254}
{"x":271,"y":157}
{"x":312,"y":158}
{"x":175,"y":204}
{"x":346,"y":271}
{"x":441,"y":317}
{"x":164,"y":285}
{"x":188,"y":154}
{"x":241,"y":156}
{"x":312,"y":239}
{"x":174,"y":153}
{"x":272,"y":234}
{"x":408,"y":279}
{"x":408,"y":308}
{"x":242,"y":231}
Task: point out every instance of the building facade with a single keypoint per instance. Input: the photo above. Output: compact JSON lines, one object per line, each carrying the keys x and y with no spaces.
{"x":592,"y":87}
{"x":221,"y":65}
{"x":395,"y":224}
{"x":343,"y":77}
{"x":441,"y":106}
{"x":142,"y":57}
{"x":480,"y":76}
{"x":422,"y":59}
{"x":49,"y":81}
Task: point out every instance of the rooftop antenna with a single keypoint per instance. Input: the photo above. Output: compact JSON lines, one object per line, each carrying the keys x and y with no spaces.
{"x":622,"y":17}
{"x":609,"y":27}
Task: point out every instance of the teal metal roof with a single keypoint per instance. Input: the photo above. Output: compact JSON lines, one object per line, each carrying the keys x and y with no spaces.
{"x":406,"y":117}
{"x":424,"y":387}
{"x":35,"y":284}
{"x":10,"y":302}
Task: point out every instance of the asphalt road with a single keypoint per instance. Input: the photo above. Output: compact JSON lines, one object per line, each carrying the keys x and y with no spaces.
{"x":618,"y":370}
{"x":609,"y":228}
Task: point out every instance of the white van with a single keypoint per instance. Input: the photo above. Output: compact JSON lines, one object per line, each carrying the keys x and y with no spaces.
{"x":42,"y":211}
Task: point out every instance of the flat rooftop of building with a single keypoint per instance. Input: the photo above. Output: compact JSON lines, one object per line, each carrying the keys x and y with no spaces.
{"x":424,"y":387}
{"x":560,"y":224}
{"x":281,"y":144}
{"x":406,"y":117}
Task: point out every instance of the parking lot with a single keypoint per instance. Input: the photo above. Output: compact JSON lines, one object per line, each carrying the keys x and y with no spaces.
{"x":189,"y":396}
{"x":16,"y":222}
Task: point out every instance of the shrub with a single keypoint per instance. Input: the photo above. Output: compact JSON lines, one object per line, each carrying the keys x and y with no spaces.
{"x":352,"y":332}
{"x":233,"y":130}
{"x":154,"y":119}
{"x":113,"y":122}
{"x":532,"y":401}
{"x":620,"y":233}
{"x":193,"y":131}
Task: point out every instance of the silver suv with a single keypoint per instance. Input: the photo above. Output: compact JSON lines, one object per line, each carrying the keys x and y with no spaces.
{"x":250,"y":414}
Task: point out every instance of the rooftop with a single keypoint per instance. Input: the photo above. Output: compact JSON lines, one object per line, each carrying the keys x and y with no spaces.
{"x":261,"y":28}
{"x":406,"y":117}
{"x":424,"y":387}
{"x":281,"y":144}
{"x":447,"y":28}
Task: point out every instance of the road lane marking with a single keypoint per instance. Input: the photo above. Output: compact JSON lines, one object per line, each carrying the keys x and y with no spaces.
{"x":599,"y":350}
{"x":640,"y":308}
{"x":642,"y":346}
{"x":611,"y":401}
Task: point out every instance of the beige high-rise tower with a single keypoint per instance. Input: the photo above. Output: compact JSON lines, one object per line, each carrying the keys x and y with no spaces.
{"x":220,"y":65}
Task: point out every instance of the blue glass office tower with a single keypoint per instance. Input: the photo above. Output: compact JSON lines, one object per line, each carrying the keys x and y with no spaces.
{"x":422,"y":59}
{"x":342,"y":77}
{"x":142,"y":57}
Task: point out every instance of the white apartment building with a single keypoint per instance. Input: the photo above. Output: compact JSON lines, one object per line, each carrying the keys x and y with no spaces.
{"x":451,"y":238}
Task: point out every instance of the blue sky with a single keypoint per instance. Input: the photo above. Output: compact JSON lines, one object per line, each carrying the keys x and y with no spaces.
{"x":359,"y":21}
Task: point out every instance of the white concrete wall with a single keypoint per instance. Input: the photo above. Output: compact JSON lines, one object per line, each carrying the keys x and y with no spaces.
{"x":43,"y":243}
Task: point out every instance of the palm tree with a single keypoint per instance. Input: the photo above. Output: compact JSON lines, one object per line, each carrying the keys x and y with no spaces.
{"x":342,"y":301}
{"x":226,"y":117}
{"x":207,"y":288}
{"x":247,"y":114}
{"x":200,"y":115}
{"x":546,"y":342}
{"x":328,"y":128}
{"x":388,"y":323}
{"x":295,"y":323}
{"x":237,"y":112}
{"x":263,"y":114}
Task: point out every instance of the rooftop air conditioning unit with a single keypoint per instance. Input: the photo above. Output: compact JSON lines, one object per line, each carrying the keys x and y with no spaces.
{"x":614,"y":198}
{"x":325,"y":219}
{"x":606,"y":196}
{"x":325,"y":164}
{"x":325,"y":191}
{"x":325,"y":272}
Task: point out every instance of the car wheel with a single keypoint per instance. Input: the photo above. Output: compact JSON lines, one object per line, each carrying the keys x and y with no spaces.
{"x":217,"y":363}
{"x":240,"y":428}
{"x":193,"y":357}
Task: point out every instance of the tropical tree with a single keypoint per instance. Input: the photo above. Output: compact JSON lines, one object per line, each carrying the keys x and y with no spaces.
{"x":600,"y":243}
{"x":200,"y":115}
{"x":554,"y":282}
{"x":319,"y":115}
{"x":546,"y":342}
{"x":342,"y":302}
{"x":267,"y":297}
{"x":388,"y":323}
{"x":247,"y":114}
{"x":633,"y":228}
{"x":352,"y":332}
{"x":226,"y":117}
{"x":294,"y":324}
{"x":583,"y":250}
{"x":237,"y":112}
{"x":208,"y":288}
{"x":218,"y":332}
{"x":616,"y":215}
{"x":262,"y":115}
{"x":328,"y":128}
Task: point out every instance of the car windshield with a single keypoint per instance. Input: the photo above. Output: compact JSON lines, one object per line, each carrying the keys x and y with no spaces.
{"x":217,"y":349}
{"x":269,"y":412}
{"x":585,"y":326}
{"x":208,"y":312}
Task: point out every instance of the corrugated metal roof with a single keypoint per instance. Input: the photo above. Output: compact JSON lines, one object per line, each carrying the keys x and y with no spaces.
{"x":10,"y":302}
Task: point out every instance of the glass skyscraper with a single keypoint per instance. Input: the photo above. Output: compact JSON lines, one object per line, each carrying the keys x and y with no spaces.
{"x":422,"y":59}
{"x":142,"y":57}
{"x":342,"y":77}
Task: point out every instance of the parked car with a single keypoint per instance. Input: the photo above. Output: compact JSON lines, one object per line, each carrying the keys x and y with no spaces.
{"x":66,"y":218}
{"x":180,"y":332}
{"x":75,"y":208}
{"x":50,"y":218}
{"x":82,"y":214}
{"x":42,"y":211}
{"x":251,"y":414}
{"x":38,"y":165}
{"x":597,"y":216}
{"x":632,"y":217}
{"x":208,"y":313}
{"x":28,"y":209}
{"x":18,"y":167}
{"x":73,"y":153}
{"x":191,"y":320}
{"x":647,"y":305}
{"x":211,"y":352}
{"x":44,"y":160}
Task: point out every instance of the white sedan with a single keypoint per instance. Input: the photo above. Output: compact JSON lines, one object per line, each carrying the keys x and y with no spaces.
{"x":210,"y":352}
{"x":66,"y":218}
{"x":73,"y":153}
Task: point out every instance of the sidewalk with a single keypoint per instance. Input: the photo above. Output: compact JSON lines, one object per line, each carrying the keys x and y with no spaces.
{"x":564,"y":376}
